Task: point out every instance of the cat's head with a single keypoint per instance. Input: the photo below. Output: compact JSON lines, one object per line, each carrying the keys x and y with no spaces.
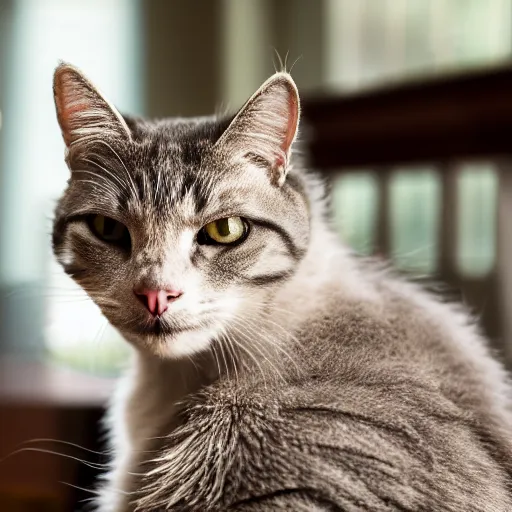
{"x":181,"y":230}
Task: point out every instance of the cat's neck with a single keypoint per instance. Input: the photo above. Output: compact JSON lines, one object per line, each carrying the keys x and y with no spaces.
{"x":171,"y":378}
{"x":328,"y":270}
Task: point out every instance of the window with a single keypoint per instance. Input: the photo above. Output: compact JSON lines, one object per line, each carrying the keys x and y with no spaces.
{"x":102,"y":37}
{"x":372,"y":43}
{"x":355,"y":201}
{"x":476,"y":200}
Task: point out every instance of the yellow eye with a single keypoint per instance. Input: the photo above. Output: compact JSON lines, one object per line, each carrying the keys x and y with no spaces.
{"x":109,"y":230}
{"x":224,"y":231}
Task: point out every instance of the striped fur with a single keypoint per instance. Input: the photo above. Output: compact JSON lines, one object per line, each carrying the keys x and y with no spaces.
{"x":290,"y":375}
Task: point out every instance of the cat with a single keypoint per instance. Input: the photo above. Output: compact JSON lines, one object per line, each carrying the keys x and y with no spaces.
{"x":272,"y":369}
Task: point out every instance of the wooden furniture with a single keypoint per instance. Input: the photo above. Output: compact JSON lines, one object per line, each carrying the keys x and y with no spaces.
{"x":40,"y":405}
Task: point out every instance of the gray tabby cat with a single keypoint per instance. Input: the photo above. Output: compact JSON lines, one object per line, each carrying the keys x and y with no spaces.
{"x":272,"y":370}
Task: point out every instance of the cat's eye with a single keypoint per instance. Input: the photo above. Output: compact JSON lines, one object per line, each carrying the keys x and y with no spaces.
{"x":109,"y":230}
{"x":231,"y":230}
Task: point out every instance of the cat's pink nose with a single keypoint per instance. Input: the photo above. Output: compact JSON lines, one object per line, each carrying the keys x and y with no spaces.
{"x":157,"y":301}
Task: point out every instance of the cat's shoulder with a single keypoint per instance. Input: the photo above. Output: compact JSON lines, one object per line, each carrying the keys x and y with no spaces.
{"x":243,"y":444}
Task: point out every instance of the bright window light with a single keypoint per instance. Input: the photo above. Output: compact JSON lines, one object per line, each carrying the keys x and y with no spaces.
{"x":102,"y":38}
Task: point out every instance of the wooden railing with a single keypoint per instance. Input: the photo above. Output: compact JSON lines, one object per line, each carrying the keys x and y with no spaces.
{"x":440,"y":122}
{"x":440,"y":119}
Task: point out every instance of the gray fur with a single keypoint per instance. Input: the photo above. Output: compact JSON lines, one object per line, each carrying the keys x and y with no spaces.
{"x":296,"y":377}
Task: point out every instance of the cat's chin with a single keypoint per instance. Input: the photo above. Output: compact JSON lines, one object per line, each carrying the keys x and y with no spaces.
{"x":175,"y":345}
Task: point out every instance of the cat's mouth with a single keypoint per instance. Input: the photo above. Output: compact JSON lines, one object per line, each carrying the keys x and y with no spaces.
{"x":159,"y":327}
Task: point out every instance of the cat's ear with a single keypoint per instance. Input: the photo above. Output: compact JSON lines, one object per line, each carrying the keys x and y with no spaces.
{"x":82,"y":111}
{"x":264,"y":129}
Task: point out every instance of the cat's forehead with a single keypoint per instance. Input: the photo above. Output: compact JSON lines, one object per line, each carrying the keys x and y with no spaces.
{"x":174,"y":145}
{"x":177,"y":134}
{"x":176,"y":171}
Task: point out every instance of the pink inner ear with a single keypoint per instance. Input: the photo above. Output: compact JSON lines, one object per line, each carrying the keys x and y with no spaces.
{"x":279,"y":161}
{"x":68,"y":106}
{"x":66,"y":119}
{"x":291,"y":126}
{"x":68,"y":112}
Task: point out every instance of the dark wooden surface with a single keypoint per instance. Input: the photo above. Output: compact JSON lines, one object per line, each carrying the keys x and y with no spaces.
{"x":460,"y":116}
{"x":43,"y":405}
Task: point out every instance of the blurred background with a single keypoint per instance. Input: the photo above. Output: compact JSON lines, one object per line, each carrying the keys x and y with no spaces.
{"x":407,"y":111}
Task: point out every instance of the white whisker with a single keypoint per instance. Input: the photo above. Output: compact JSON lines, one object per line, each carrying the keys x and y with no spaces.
{"x":67,"y":443}
{"x":93,"y":465}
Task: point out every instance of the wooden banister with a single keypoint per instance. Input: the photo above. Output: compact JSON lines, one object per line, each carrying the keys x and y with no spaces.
{"x":459,"y":116}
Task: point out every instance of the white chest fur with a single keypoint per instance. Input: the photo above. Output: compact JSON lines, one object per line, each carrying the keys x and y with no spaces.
{"x":142,"y":410}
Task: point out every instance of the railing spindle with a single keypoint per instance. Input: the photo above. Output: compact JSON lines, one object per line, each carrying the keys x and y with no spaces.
{"x":448,"y":225}
{"x":382,"y":225}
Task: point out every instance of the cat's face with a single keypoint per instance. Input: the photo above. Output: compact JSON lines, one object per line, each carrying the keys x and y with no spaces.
{"x":184,"y":230}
